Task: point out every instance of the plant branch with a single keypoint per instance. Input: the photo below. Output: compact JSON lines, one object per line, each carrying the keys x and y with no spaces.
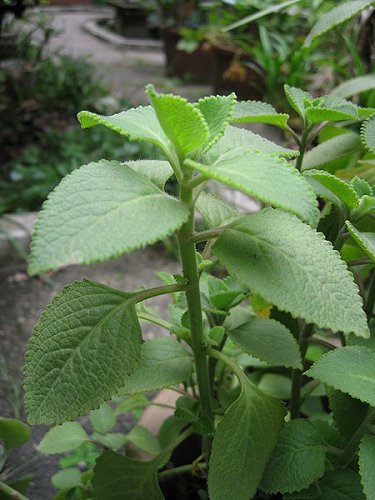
{"x":358,"y":262}
{"x":369,"y":306}
{"x":10,"y":492}
{"x":207,"y":235}
{"x":148,"y":293}
{"x":352,"y":445}
{"x":302,"y":147}
{"x":183,"y":469}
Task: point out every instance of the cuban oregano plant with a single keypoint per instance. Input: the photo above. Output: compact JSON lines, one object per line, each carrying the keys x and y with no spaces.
{"x":276,"y":360}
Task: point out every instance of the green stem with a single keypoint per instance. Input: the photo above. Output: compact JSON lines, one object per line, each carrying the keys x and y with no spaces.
{"x":302,"y":148}
{"x":369,"y":307}
{"x":352,"y":445}
{"x":295,"y":400}
{"x":148,"y":293}
{"x":183,"y":469}
{"x":190,"y":271}
{"x":207,"y":235}
{"x":358,"y":262}
{"x":179,"y":331}
{"x":229,"y":362}
{"x":10,"y":492}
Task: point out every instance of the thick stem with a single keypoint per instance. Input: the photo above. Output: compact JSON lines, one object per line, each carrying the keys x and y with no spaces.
{"x":302,"y":148}
{"x":10,"y":492}
{"x":369,"y":307}
{"x":190,"y":271}
{"x":295,"y":400}
{"x":183,"y":469}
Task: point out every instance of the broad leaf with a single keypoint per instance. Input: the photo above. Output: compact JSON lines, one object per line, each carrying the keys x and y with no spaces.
{"x":348,"y":413}
{"x":268,"y":340}
{"x":298,"y":99}
{"x":293,"y":267}
{"x":98,"y":212}
{"x":142,"y":438}
{"x":348,"y":369}
{"x":331,"y":150}
{"x":368,"y":134}
{"x":103,"y":419}
{"x":366,"y":465}
{"x":157,"y":171}
{"x":258,"y":112}
{"x":265,"y":177}
{"x":116,"y":476}
{"x":215,"y":211}
{"x":164,"y":362}
{"x":243,"y":443}
{"x":181,"y":121}
{"x":137,"y":124}
{"x":297,"y":461}
{"x":332,"y":188}
{"x":366,"y":241}
{"x":13,"y":432}
{"x":62,"y":438}
{"x":278,"y":386}
{"x":216,"y":111}
{"x":335,"y":17}
{"x":82,"y":350}
{"x":354,"y":86}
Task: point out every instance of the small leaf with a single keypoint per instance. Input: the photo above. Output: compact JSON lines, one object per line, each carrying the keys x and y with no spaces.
{"x":164,"y":362}
{"x":361,"y":187}
{"x":258,"y":112}
{"x":215,"y":211}
{"x":116,"y":475}
{"x":302,"y":275}
{"x":297,"y":98}
{"x":326,"y":185}
{"x":348,"y":413}
{"x":183,"y":123}
{"x":131,"y":403}
{"x":333,"y":149}
{"x":66,"y":479}
{"x":333,"y":108}
{"x":62,"y":438}
{"x":156,"y":171}
{"x":354,"y":86}
{"x":366,"y":241}
{"x":265,"y":177}
{"x":13,"y":432}
{"x":243,"y":442}
{"x":82,"y":349}
{"x":112,"y":440}
{"x":366,"y":465}
{"x":103,"y":419}
{"x":98,"y":212}
{"x":335,"y":17}
{"x":216,"y":111}
{"x":142,"y":438}
{"x":297,"y":461}
{"x":170,"y":429}
{"x":268,"y":340}
{"x":368,"y":134}
{"x":349,"y":369}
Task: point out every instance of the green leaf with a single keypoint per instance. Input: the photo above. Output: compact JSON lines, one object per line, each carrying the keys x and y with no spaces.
{"x":62,"y":438}
{"x":366,"y":465}
{"x":268,"y":340}
{"x":275,"y":385}
{"x":215,"y":211}
{"x":181,"y":121}
{"x":265,"y":177}
{"x":101,"y":211}
{"x":368,"y":134}
{"x":354,"y":86}
{"x":13,"y":432}
{"x":82,"y":350}
{"x":348,"y":369}
{"x":341,"y":484}
{"x":333,"y":108}
{"x":297,"y":461}
{"x":164,"y":362}
{"x":66,"y":479}
{"x":137,"y":124}
{"x":170,"y":429}
{"x":103,"y":419}
{"x":243,"y":442}
{"x":302,"y":274}
{"x":366,"y":241}
{"x":335,"y":17}
{"x":332,"y":188}
{"x":156,"y":171}
{"x":258,"y":112}
{"x":298,"y":99}
{"x":361,"y":187}
{"x":348,"y":413}
{"x":142,"y":438}
{"x":116,"y":476}
{"x":131,"y":403}
{"x":216,"y":111}
{"x":331,"y":150}
{"x":112,"y":440}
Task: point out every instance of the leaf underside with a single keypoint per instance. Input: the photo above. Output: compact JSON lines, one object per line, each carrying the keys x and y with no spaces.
{"x":339,"y":188}
{"x":258,"y":112}
{"x":368,"y":134}
{"x":215,"y":211}
{"x":366,"y":241}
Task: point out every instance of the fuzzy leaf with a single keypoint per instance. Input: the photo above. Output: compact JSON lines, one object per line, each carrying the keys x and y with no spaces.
{"x":298,"y":99}
{"x":332,"y":188}
{"x":66,"y":479}
{"x":265,"y":177}
{"x":98,"y":212}
{"x":297,"y":461}
{"x":156,"y":171}
{"x":258,"y":112}
{"x":341,"y":484}
{"x":268,"y":340}
{"x":13,"y":432}
{"x":164,"y":362}
{"x":103,"y":419}
{"x":293,"y":267}
{"x":62,"y":438}
{"x":82,"y":350}
{"x":348,"y":369}
{"x":335,"y":17}
{"x":116,"y":476}
{"x":111,"y":440}
{"x":354,"y":86}
{"x":216,"y":111}
{"x":334,"y":108}
{"x":243,"y":442}
{"x":142,"y":438}
{"x":330,"y":150}
{"x":366,"y":241}
{"x":368,"y":134}
{"x":215,"y":211}
{"x":366,"y":465}
{"x":183,"y":123}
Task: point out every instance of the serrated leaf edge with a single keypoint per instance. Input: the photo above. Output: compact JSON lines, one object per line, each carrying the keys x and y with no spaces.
{"x":363,"y":132}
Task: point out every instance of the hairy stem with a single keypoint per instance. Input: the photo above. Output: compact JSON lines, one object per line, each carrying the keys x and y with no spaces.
{"x":302,"y":148}
{"x":148,"y":293}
